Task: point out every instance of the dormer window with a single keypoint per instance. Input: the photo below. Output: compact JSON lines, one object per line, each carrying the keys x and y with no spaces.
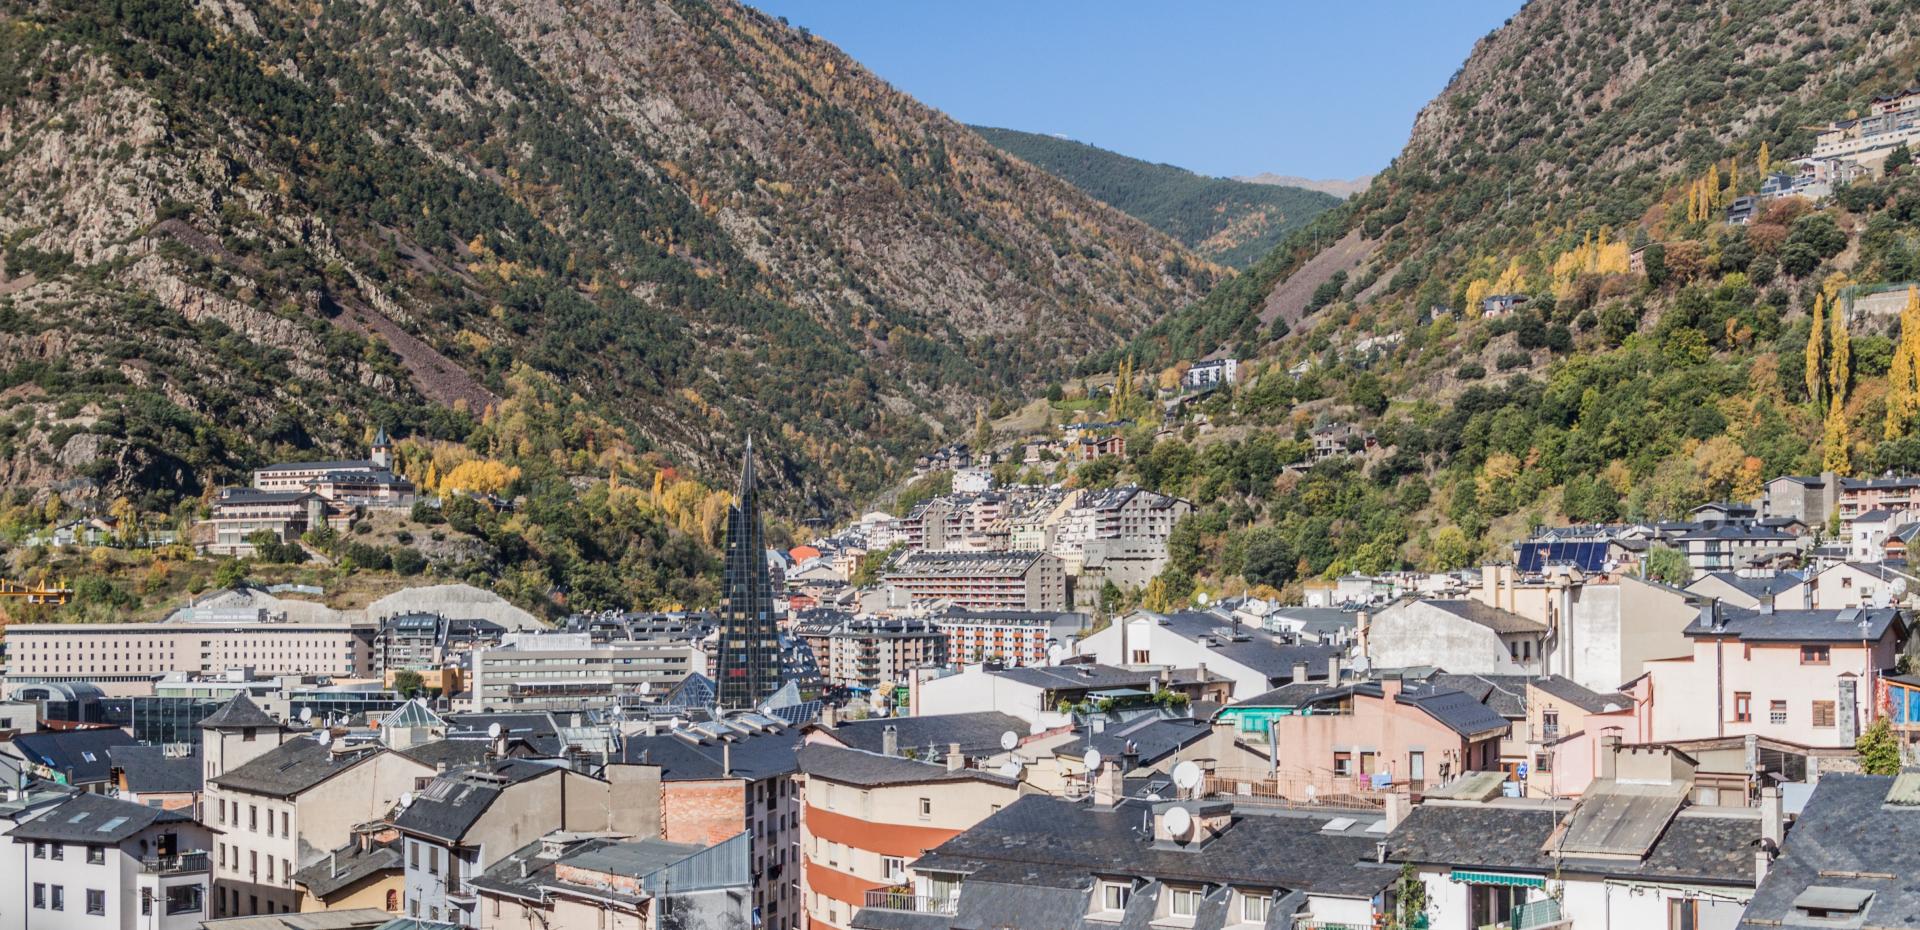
{"x":1183,"y":902}
{"x":1115,"y":895}
{"x":1833,"y":903}
{"x":1254,"y":908}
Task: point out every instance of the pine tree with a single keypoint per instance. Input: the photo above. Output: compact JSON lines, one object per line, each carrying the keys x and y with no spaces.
{"x":1816,"y":341}
{"x":1879,"y":749}
{"x":1903,"y":379}
{"x":1836,"y":458}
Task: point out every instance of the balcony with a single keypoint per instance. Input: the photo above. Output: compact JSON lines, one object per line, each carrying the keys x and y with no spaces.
{"x":182,"y":864}
{"x":914,"y":903}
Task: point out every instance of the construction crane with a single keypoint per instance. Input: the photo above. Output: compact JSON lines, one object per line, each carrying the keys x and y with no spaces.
{"x":36,"y":594}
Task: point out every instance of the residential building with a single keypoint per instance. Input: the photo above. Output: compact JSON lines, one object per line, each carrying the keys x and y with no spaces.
{"x":287,"y":808}
{"x":748,"y":656}
{"x":1629,"y":853}
{"x":726,"y":777}
{"x":866,"y":815}
{"x":1811,"y":499}
{"x":1128,"y":513}
{"x":1604,"y":625}
{"x":982,"y":580}
{"x":1008,"y":637}
{"x":1221,"y":370}
{"x":1786,"y":590}
{"x":1362,"y":737}
{"x":1809,"y":677}
{"x":167,"y":777}
{"x":368,"y":872}
{"x":979,"y":734}
{"x":239,"y":513}
{"x":539,"y":671}
{"x":1044,"y":696}
{"x":29,"y":798}
{"x":1852,"y":584}
{"x":127,"y":658}
{"x":1465,"y":636}
{"x":1050,"y":862}
{"x":465,"y":820}
{"x":98,"y":862}
{"x":1845,"y":862}
{"x":423,"y":641}
{"x":866,"y":652}
{"x":1254,"y":659}
{"x":1498,"y":305}
{"x":566,"y":882}
{"x":79,"y":759}
{"x":1733,"y":547}
{"x":1892,"y":493}
{"x":1569,"y":730}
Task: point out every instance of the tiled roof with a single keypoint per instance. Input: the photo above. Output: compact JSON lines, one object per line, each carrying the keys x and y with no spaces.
{"x":454,"y":802}
{"x":1755,"y":625}
{"x":149,"y":770}
{"x":693,"y":755}
{"x":342,"y":868}
{"x":82,"y":754}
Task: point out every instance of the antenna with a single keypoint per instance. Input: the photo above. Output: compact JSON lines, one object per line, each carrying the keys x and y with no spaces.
{"x":1008,"y":740}
{"x":1179,"y":822}
{"x":1186,"y":775}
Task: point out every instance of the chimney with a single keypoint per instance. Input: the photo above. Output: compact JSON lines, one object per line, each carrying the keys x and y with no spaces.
{"x":1108,"y":786}
{"x":1299,"y":672}
{"x":955,"y":761}
{"x":333,"y":865}
{"x":1200,"y":673}
{"x":889,"y":741}
{"x":1773,"y":816}
{"x":1333,"y":670}
{"x":1609,"y":750}
{"x":726,"y":757}
{"x":829,"y":716}
{"x":1766,"y":602}
{"x":1762,"y":861}
{"x":1397,"y":808}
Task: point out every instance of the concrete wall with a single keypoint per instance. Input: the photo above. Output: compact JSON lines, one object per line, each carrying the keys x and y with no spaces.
{"x":1695,"y":698}
{"x":1411,"y":633}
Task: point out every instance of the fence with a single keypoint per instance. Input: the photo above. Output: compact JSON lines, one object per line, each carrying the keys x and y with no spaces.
{"x":1299,"y":790}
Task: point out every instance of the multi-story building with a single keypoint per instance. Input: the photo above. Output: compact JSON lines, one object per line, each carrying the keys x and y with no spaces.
{"x":239,"y":513}
{"x":867,"y":815}
{"x":127,"y":658}
{"x":422,"y":640}
{"x":747,"y":656}
{"x":18,"y":806}
{"x":983,"y":580}
{"x":1011,"y":637}
{"x":560,"y":671}
{"x":866,"y":652}
{"x":1125,"y":513}
{"x":565,"y":881}
{"x":97,"y":862}
{"x":1810,"y":677}
{"x":1224,"y":370}
{"x":723,"y":778}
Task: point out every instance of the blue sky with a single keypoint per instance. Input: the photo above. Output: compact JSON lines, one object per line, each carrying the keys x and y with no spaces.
{"x":1324,"y":90}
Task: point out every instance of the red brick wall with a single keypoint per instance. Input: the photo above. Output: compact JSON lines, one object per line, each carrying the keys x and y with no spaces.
{"x":703,"y":812}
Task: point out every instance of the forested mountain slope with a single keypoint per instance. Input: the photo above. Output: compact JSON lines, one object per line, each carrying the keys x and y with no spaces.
{"x":232,"y":232}
{"x":1227,"y":221}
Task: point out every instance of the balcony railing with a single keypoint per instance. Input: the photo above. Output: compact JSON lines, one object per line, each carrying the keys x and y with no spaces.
{"x":917,"y":903}
{"x":175,"y":865}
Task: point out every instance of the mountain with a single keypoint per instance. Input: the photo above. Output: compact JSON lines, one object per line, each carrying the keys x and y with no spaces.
{"x":1335,"y":186}
{"x":1230,"y":222}
{"x":233,"y":232}
{"x":1584,"y":158}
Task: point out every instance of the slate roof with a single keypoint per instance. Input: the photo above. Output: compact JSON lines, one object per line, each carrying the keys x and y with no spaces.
{"x":453,"y":753}
{"x":1493,"y":618}
{"x":322,"y":465}
{"x":293,"y":767}
{"x":95,"y":820}
{"x":540,"y":730}
{"x":506,"y":877}
{"x":149,"y":770}
{"x":977,"y":733}
{"x":1737,"y":531}
{"x":1263,"y":651}
{"x":455,"y":801}
{"x":1753,"y":586}
{"x":694,"y":755}
{"x":1456,"y":710}
{"x":343,"y":867}
{"x":1154,"y":738}
{"x":1089,"y":676}
{"x":1790,"y":626}
{"x":1580,"y":696}
{"x":81,"y":754}
{"x":237,"y":713}
{"x":1509,"y":837}
{"x":1505,"y":694}
{"x":1846,"y":837}
{"x":1052,"y":842}
{"x":873,"y":770}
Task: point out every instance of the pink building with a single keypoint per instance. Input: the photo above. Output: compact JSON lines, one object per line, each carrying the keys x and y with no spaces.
{"x":1359,"y":732}
{"x":1807,"y":677}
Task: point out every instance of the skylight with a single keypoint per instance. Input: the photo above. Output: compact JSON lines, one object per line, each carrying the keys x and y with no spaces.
{"x":111,"y":825}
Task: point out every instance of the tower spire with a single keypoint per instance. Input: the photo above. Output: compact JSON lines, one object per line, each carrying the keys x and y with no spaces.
{"x":748,"y":482}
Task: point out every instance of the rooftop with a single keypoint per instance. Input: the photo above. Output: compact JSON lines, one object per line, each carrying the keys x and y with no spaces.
{"x":95,"y":820}
{"x":873,"y":770}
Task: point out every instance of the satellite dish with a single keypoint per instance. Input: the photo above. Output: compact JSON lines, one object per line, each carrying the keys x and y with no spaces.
{"x":1311,"y":794}
{"x":1186,"y":775}
{"x":306,"y":715}
{"x":406,"y":799}
{"x":646,"y":687}
{"x":1054,"y":652}
{"x":1008,"y":740}
{"x":1091,"y":760}
{"x":1011,"y":770}
{"x":326,"y":738}
{"x":1179,"y":822}
{"x":493,"y":730}
{"x":1201,"y":598}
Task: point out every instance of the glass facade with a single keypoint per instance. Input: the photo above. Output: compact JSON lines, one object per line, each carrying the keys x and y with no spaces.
{"x":749,"y":662}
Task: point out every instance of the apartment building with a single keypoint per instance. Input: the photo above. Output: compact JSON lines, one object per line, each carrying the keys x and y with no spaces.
{"x":983,"y":580}
{"x":1123,"y":513}
{"x":1010,"y":637}
{"x":867,"y":815}
{"x":866,"y":652}
{"x":565,"y":881}
{"x":96,"y":862}
{"x":241,"y":512}
{"x":423,"y":641}
{"x":560,"y":671}
{"x":127,"y":658}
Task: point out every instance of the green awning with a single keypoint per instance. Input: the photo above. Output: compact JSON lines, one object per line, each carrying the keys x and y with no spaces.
{"x":1490,"y":878}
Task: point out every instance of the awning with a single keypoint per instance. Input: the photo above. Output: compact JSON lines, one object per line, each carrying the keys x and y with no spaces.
{"x":1490,"y":878}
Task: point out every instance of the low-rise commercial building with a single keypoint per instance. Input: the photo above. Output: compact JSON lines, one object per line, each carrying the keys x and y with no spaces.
{"x":561,"y":671}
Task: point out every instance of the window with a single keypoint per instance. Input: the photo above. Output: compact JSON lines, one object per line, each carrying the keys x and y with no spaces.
{"x":1417,"y":765}
{"x":96,"y":901}
{"x":1367,"y":762}
{"x":146,"y":902}
{"x":56,"y":851}
{"x":284,"y":829}
{"x":1777,"y":713}
{"x":39,"y":850}
{"x":1543,"y":762}
{"x":59,"y":897}
{"x":96,"y":855}
{"x":1114,"y":896}
{"x":1254,"y":908}
{"x":1683,"y":914}
{"x":253,"y":817}
{"x":1823,"y":713}
{"x":413,"y":855}
{"x":893,"y":869}
{"x":1184,"y":903}
{"x":433,"y":860}
{"x":1343,"y":763}
{"x":1816,"y":655}
{"x":40,"y":895}
{"x":1142,"y":657}
{"x":1742,"y":707}
{"x":926,"y":808}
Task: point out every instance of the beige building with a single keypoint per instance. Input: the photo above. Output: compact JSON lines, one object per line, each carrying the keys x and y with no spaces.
{"x":983,"y":580}
{"x":126,"y":658}
{"x":558,"y":671}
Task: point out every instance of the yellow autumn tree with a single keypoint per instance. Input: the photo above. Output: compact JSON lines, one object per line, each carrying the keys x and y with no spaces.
{"x":1903,"y":378}
{"x":1760,"y":161}
{"x":1477,"y":290}
{"x":480,"y":476}
{"x":1816,"y":343}
{"x":1837,"y":457}
{"x":1839,"y":355}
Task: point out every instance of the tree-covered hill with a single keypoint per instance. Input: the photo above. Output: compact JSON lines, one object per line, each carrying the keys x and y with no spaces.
{"x":1227,"y":221}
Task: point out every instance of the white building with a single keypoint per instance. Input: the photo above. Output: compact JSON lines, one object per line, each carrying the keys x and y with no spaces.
{"x":96,"y":862}
{"x":1212,"y":371}
{"x":1254,"y":659}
